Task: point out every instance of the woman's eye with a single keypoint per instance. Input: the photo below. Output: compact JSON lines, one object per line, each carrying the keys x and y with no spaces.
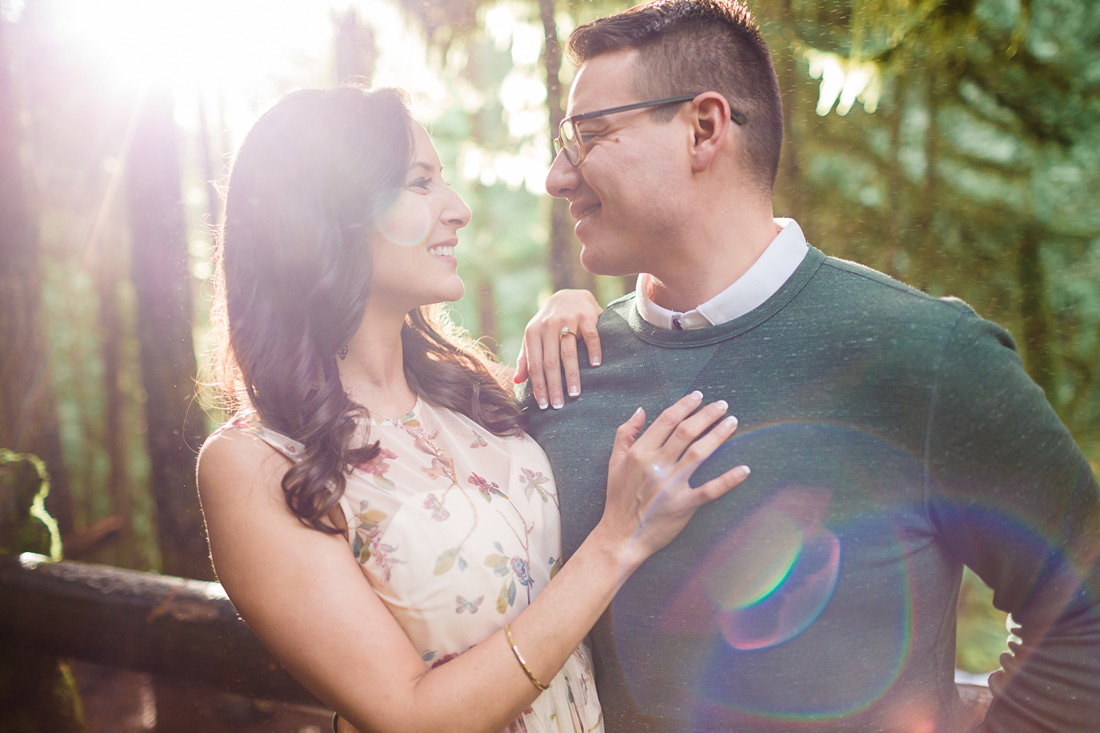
{"x":421,"y":183}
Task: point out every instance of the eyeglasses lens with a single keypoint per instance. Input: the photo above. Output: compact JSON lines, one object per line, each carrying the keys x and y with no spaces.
{"x":570,"y":143}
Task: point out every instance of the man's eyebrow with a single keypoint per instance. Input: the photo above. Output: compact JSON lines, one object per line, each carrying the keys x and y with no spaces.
{"x":594,"y":123}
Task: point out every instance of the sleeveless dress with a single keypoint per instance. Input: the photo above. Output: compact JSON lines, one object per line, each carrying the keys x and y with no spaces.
{"x":458,"y":530}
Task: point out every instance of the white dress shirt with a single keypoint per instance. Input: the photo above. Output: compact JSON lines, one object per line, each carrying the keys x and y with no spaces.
{"x":760,"y":282}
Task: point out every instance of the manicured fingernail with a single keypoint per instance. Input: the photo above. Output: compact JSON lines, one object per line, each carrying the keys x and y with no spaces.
{"x":595,"y":362}
{"x":543,"y":404}
{"x":730,"y":422}
{"x":741,"y":471}
{"x":574,"y":391}
{"x":637,"y":412}
{"x":722,"y":405}
{"x":558,"y":403}
{"x":697,"y":395}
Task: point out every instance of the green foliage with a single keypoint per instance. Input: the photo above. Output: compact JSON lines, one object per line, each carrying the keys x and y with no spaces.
{"x":982,"y":632}
{"x":37,"y":531}
{"x":976,"y":174}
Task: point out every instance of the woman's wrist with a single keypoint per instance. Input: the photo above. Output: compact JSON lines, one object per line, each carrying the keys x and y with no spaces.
{"x":617,"y":553}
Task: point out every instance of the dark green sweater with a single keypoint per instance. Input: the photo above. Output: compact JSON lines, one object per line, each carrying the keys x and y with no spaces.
{"x":893,"y":438}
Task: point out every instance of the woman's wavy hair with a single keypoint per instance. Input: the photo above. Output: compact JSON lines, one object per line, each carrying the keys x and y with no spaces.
{"x":292,"y":277}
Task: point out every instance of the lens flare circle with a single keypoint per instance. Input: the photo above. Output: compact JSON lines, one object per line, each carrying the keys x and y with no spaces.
{"x":770,"y":548}
{"x":772,"y":575}
{"x":795,"y":602}
{"x":403,"y":217}
{"x":733,"y":608}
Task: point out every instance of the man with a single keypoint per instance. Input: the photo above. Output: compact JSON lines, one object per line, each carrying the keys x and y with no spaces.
{"x":893,"y":437}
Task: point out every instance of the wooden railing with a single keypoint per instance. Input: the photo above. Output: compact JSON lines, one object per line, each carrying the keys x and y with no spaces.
{"x":163,"y":625}
{"x":140,"y":621}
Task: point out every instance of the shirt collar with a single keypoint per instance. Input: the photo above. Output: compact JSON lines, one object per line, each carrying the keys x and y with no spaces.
{"x":761,"y":281}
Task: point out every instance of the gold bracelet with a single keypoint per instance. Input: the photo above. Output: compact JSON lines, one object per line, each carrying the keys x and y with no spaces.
{"x":519,"y":658}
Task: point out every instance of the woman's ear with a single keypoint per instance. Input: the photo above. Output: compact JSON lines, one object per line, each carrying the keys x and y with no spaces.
{"x":710,"y":123}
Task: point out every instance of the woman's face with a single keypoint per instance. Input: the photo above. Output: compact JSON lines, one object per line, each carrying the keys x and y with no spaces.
{"x":415,"y":237}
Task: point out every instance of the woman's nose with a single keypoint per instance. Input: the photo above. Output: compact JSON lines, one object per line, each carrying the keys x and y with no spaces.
{"x":457,"y":212}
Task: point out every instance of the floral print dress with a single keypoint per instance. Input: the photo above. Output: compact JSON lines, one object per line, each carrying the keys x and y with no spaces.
{"x":458,"y":530}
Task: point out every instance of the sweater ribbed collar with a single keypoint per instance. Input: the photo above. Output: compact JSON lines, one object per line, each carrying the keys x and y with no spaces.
{"x":674,"y":339}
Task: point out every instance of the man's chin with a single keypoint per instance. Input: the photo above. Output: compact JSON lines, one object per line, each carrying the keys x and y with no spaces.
{"x":593,"y":264}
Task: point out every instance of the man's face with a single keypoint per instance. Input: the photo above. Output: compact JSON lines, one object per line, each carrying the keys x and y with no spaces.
{"x":623,"y":194}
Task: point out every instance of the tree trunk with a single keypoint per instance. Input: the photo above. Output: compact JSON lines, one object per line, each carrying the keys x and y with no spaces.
{"x":928,"y":254}
{"x":35,"y":692}
{"x":354,"y":49}
{"x":1034,"y":312}
{"x":28,"y":417}
{"x":114,"y":434}
{"x":565,"y":268}
{"x":162,"y":284}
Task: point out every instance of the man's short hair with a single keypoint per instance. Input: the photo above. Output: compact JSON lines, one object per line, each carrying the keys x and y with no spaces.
{"x":690,"y":46}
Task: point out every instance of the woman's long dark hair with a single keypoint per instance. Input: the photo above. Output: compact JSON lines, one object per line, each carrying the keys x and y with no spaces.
{"x":292,"y":273}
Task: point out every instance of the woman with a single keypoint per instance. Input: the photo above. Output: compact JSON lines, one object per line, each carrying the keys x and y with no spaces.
{"x":368,"y":421}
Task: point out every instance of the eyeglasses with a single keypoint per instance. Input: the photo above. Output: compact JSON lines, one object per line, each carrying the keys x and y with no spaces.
{"x":569,"y":135}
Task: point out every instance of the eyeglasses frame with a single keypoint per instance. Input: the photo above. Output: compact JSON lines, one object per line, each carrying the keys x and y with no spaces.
{"x":572,"y":120}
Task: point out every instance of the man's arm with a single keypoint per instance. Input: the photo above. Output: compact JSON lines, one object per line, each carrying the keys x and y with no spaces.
{"x":1017,"y":502}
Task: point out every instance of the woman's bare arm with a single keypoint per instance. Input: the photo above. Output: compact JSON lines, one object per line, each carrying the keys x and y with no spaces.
{"x":304,"y":595}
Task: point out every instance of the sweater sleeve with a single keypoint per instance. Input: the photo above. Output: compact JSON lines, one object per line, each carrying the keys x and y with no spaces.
{"x":1015,"y":500}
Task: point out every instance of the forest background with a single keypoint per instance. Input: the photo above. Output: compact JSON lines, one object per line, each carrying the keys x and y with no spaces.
{"x":953,"y":144}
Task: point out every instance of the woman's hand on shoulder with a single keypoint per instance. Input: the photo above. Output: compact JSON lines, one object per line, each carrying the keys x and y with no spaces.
{"x":649,"y":498}
{"x":547,"y":347}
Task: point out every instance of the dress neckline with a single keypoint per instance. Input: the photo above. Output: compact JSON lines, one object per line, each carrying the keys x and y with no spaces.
{"x":412,"y":414}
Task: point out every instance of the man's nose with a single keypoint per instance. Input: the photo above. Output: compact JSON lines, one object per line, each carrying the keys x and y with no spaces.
{"x":562,"y":177}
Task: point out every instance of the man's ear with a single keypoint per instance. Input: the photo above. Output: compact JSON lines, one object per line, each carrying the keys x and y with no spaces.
{"x":710,"y":123}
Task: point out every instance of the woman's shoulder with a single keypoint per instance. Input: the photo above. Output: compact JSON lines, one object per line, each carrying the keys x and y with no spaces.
{"x":242,"y":447}
{"x":245,"y":427}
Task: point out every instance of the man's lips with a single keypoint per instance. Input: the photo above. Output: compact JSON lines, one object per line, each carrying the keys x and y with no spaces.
{"x":579,"y":211}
